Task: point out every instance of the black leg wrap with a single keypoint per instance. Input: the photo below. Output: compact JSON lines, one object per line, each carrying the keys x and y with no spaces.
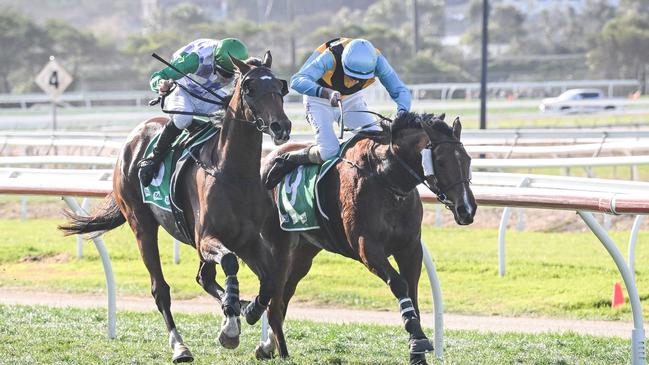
{"x":419,"y":343}
{"x":230,"y":264}
{"x":230,"y":300}
{"x":418,"y":359}
{"x":254,"y":311}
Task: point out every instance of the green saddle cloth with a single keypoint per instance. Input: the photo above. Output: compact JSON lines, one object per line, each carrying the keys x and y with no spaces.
{"x":160,"y":190}
{"x":297,"y":194}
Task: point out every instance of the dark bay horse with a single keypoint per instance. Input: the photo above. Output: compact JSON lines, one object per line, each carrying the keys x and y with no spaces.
{"x":375,"y":211}
{"x":223,"y":197}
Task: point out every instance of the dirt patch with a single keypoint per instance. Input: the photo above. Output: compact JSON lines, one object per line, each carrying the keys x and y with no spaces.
{"x":47,"y":258}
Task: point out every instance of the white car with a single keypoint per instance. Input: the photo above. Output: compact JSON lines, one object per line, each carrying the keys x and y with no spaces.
{"x":578,"y":101}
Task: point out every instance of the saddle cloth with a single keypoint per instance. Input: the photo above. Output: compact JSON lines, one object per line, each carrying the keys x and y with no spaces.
{"x":160,"y":192}
{"x":298,"y":194}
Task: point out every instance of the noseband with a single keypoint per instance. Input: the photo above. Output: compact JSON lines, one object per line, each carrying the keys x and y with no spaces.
{"x":435,"y":188}
{"x":438,"y":190}
{"x":250,"y":97}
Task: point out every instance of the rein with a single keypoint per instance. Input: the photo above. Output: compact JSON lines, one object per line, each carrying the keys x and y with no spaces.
{"x":435,"y":188}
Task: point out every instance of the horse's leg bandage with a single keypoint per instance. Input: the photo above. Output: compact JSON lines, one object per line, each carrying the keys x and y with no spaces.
{"x":407,"y":308}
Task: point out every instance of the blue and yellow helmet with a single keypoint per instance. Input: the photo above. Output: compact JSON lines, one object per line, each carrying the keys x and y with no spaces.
{"x":359,"y":59}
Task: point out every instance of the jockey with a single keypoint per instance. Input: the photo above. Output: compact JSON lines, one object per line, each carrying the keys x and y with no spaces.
{"x":336,"y":72}
{"x":206,"y":61}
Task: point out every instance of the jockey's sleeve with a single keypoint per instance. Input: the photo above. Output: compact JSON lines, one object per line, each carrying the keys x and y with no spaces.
{"x":187,"y":63}
{"x":395,"y":87}
{"x":304,"y":81}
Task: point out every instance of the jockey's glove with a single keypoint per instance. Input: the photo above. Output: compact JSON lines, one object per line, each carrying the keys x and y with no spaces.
{"x":333,"y":96}
{"x":165,"y":87}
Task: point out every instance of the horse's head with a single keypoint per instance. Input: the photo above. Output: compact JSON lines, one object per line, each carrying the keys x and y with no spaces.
{"x":452,"y":167}
{"x":259,"y":96}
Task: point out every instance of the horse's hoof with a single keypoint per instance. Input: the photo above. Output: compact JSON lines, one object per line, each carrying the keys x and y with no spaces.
{"x":420,"y":346}
{"x":262,"y":354}
{"x":418,"y":359}
{"x":182,"y":354}
{"x":230,"y":331}
{"x":253,"y":312}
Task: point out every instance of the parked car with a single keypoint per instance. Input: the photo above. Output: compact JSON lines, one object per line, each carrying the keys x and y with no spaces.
{"x":578,"y":101}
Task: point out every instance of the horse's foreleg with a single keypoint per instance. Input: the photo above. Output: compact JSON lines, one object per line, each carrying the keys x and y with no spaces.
{"x":146,"y":235}
{"x":409,"y":261}
{"x":212,"y":251}
{"x":378,"y":263}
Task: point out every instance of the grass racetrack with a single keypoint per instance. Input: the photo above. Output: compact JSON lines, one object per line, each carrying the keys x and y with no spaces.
{"x":566,"y":274}
{"x":39,"y":335}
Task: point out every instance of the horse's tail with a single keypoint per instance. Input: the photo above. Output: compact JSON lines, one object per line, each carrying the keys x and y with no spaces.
{"x":104,"y":218}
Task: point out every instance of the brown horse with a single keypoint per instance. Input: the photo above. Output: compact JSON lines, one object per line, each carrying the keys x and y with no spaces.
{"x":375,"y":212}
{"x":222,"y":195}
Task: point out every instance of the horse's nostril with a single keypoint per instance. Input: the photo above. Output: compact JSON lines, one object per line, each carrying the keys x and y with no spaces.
{"x":275,"y":128}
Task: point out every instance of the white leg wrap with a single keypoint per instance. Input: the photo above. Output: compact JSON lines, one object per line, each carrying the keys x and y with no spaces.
{"x":174,"y":338}
{"x":405,"y":306}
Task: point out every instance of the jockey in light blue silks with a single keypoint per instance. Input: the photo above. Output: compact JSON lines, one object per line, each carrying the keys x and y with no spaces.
{"x":206,"y":61}
{"x":337,"y":71}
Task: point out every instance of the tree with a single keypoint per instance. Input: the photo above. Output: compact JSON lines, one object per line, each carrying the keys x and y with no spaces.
{"x":24,"y":50}
{"x":623,"y":47}
{"x":71,"y":45}
{"x":505,"y":26}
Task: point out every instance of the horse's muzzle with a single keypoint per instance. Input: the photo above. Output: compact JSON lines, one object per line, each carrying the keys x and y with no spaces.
{"x":464,"y":214}
{"x":280,"y":135}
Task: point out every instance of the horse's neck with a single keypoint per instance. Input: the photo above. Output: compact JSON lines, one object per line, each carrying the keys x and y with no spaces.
{"x":408,"y":149}
{"x":239,"y":147}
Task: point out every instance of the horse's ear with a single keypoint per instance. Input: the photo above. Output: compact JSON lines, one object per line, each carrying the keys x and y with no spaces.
{"x":442,"y":116}
{"x":239,"y":65}
{"x":457,"y":127}
{"x":268,"y":59}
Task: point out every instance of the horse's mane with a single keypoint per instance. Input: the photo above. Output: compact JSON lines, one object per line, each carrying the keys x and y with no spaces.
{"x":254,"y":61}
{"x":409,"y":120}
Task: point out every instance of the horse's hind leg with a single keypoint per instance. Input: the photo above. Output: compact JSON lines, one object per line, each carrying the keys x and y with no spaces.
{"x":206,"y":278}
{"x":259,"y":258}
{"x":145,"y":229}
{"x":378,"y":263}
{"x":212,"y":251}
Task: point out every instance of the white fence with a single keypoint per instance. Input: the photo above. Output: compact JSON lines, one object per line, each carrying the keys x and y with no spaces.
{"x":442,"y":91}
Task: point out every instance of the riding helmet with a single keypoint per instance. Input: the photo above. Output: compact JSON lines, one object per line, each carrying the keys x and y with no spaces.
{"x":359,"y":59}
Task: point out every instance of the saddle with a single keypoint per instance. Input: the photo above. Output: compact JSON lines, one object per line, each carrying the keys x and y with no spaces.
{"x":161,"y":193}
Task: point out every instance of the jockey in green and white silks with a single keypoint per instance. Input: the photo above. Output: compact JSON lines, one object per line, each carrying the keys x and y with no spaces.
{"x":338,"y":70}
{"x":206,"y":61}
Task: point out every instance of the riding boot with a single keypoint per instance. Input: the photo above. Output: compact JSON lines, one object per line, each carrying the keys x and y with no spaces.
{"x":288,"y":161}
{"x":149,"y":166}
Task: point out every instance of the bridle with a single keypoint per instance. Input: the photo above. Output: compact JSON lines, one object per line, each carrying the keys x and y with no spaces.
{"x":438,"y":190}
{"x":435,"y":188}
{"x":249,"y":97}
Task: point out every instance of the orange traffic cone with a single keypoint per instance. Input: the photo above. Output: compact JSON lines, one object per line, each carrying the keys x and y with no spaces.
{"x":618,"y":296}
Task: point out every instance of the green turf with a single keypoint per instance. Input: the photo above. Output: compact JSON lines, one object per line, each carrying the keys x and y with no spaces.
{"x":555,"y":274}
{"x":38,"y":335}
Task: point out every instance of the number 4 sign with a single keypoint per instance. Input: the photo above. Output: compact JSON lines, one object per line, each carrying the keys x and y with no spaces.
{"x":53,"y":79}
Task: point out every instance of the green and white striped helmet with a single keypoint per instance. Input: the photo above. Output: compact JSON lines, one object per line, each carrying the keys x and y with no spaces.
{"x":229,"y":47}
